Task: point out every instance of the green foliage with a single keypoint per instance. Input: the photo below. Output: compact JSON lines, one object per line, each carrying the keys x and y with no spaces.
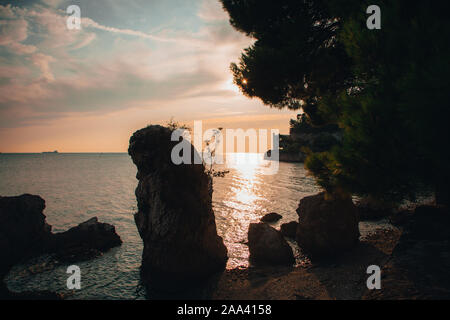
{"x":174,"y":125}
{"x":324,"y":168}
{"x":394,"y":132}
{"x":295,"y":59}
{"x":305,"y":126}
{"x":388,"y":89}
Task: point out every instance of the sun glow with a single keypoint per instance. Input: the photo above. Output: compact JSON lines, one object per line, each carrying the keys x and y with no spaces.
{"x":230,"y":86}
{"x":245,"y":186}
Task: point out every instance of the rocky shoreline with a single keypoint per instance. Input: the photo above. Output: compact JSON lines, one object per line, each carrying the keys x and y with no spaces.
{"x":304,"y":138}
{"x":25,"y":234}
{"x":419,"y":267}
{"x":344,"y":278}
{"x":185,"y":258}
{"x":414,"y":257}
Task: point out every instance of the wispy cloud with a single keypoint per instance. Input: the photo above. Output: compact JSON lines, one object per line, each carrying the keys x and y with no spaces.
{"x":120,"y":60}
{"x":89,"y":23}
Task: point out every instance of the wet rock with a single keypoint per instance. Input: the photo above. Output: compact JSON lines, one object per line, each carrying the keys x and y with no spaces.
{"x":327,"y":227}
{"x":85,"y":241}
{"x":23,"y":230}
{"x":289,"y":229}
{"x":175,"y":217}
{"x":24,"y":234}
{"x":271,"y":217}
{"x":267,"y":246}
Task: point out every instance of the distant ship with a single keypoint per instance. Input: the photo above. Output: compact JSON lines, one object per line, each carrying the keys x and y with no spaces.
{"x":50,"y":152}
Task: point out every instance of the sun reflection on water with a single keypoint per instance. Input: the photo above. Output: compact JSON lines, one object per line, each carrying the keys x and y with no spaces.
{"x":241,"y":197}
{"x":244,"y":200}
{"x":246,"y":182}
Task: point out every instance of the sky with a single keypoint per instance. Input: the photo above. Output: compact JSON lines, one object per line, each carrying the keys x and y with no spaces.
{"x":133,"y":63}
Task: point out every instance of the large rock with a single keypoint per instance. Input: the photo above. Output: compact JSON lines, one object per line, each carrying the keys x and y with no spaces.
{"x":289,"y":229}
{"x":327,"y":227}
{"x":271,"y":217}
{"x":267,"y":246}
{"x":24,"y":234}
{"x":23,"y":230}
{"x":85,"y":241}
{"x":370,"y":208}
{"x":175,"y":217}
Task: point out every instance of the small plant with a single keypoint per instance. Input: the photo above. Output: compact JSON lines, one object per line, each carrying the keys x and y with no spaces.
{"x":174,"y":125}
{"x":210,"y":153}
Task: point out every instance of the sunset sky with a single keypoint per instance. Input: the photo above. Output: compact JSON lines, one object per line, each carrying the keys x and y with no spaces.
{"x":133,"y":63}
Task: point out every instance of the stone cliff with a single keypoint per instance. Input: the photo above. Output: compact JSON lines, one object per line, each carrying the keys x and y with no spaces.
{"x":175,"y":218}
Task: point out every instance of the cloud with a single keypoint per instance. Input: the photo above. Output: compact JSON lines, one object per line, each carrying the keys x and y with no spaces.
{"x":54,"y":72}
{"x":85,"y":42}
{"x":52,"y":3}
{"x":43,"y":61}
{"x":89,"y":23}
{"x":13,"y":31}
{"x":6,"y":12}
{"x":212,"y":11}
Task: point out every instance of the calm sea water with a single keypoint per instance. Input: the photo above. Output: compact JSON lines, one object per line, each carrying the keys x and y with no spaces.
{"x":77,"y":187}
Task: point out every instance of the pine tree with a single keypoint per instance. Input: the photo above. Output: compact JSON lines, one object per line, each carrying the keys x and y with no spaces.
{"x":387,"y":89}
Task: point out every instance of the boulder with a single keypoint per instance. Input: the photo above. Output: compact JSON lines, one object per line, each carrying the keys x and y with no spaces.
{"x":24,"y":234}
{"x":289,"y":229}
{"x":23,"y":230}
{"x":267,"y":246}
{"x":271,"y":217}
{"x":370,"y":208}
{"x":85,"y":241}
{"x":327,"y":227}
{"x":175,"y":218}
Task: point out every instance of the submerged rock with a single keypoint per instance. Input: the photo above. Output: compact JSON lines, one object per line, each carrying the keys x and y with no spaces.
{"x":327,"y":227}
{"x":175,"y":217}
{"x":267,"y":246}
{"x":271,"y":217}
{"x":289,"y":229}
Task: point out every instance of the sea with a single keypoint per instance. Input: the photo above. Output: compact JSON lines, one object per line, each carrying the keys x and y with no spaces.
{"x":77,"y":187}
